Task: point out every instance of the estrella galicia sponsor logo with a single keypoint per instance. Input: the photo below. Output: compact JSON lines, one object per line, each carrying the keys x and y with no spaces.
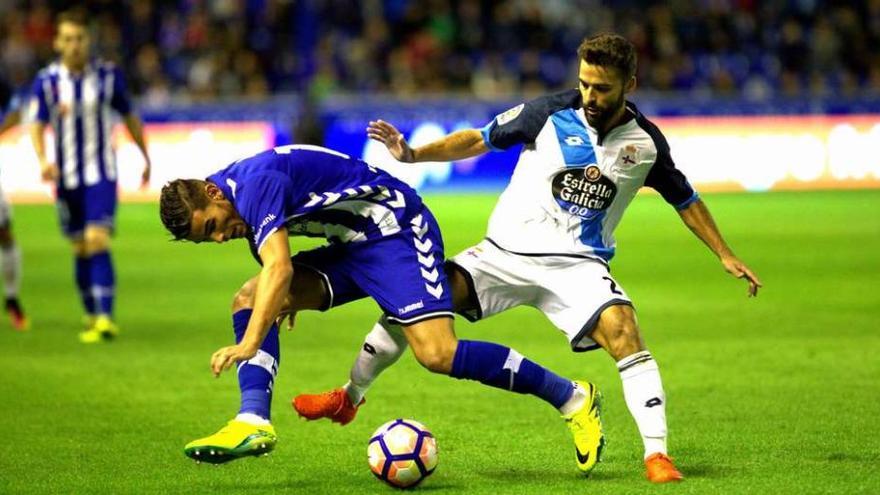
{"x":411,"y":307}
{"x":583,"y":191}
{"x":269,"y":218}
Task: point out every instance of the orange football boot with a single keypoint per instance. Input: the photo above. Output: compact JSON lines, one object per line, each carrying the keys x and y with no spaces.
{"x":333,"y":405}
{"x":661,"y":470}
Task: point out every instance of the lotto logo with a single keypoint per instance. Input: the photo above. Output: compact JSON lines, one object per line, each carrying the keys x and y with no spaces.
{"x":574,"y":141}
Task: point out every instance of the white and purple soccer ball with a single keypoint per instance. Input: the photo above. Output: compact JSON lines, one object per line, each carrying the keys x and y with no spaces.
{"x":402,"y":453}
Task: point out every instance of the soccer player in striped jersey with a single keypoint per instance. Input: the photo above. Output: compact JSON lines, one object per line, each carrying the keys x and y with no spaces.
{"x":384,"y":243}
{"x":586,"y":153}
{"x":78,"y":97}
{"x":10,"y":256}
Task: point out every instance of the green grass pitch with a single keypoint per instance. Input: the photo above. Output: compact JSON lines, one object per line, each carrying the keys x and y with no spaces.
{"x":779,"y":394}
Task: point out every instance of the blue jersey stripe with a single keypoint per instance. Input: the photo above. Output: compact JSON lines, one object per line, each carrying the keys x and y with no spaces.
{"x":591,"y":235}
{"x":577,"y":149}
{"x":77,"y":108}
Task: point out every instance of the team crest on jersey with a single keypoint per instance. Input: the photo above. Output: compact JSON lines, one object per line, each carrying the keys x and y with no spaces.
{"x":592,"y":173}
{"x":511,"y":114}
{"x":583,"y":191}
{"x":629,"y":156}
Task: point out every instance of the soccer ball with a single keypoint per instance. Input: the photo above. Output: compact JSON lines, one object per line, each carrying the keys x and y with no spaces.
{"x":402,"y":453}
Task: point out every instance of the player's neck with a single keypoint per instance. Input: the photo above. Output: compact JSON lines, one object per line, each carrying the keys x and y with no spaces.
{"x":614,"y":121}
{"x":74,"y":67}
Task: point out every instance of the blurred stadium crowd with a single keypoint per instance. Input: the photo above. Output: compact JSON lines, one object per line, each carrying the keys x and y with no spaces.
{"x":198,"y":50}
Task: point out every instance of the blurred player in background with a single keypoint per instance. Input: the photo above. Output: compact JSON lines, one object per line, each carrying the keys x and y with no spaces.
{"x":10,"y":256}
{"x":550,"y":238}
{"x":76,"y":95}
{"x":384,"y":243}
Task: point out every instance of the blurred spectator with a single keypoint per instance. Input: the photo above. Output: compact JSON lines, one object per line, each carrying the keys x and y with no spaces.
{"x":205,"y":49}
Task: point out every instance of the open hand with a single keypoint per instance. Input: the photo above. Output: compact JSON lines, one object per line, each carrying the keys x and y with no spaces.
{"x":739,"y":269}
{"x":48,"y":172}
{"x":393,"y":139}
{"x":224,"y":358}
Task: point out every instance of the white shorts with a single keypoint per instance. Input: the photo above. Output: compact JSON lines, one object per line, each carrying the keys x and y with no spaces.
{"x":5,"y":211}
{"x":572,"y":291}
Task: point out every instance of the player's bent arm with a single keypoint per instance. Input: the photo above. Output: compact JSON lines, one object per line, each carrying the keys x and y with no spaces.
{"x":10,"y":120}
{"x":459,"y":145}
{"x":136,"y":129}
{"x":697,"y":217}
{"x":273,"y":285}
{"x":37,"y":129}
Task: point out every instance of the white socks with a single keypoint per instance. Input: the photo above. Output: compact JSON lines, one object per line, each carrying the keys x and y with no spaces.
{"x":382,"y":347}
{"x":645,"y":399}
{"x":252,"y":418}
{"x":575,"y":402}
{"x":10,"y":257}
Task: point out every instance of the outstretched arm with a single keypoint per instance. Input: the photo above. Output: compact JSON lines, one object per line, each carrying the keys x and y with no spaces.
{"x":273,"y":287}
{"x":136,"y":130}
{"x":456,"y":146}
{"x":697,"y":217}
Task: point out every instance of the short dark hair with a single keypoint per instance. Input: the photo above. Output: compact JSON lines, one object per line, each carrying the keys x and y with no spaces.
{"x":73,"y":16}
{"x":609,"y":50}
{"x":179,"y":199}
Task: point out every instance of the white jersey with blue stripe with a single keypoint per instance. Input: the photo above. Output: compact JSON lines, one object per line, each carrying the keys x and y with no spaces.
{"x":79,"y":108}
{"x":317,"y":192}
{"x":571,"y":186}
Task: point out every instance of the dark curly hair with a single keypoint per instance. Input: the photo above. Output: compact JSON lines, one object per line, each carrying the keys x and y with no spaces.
{"x":177,"y":202}
{"x":610,"y":50}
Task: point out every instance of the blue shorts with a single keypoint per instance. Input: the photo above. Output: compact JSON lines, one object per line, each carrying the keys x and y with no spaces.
{"x":90,"y":205}
{"x":402,"y":272}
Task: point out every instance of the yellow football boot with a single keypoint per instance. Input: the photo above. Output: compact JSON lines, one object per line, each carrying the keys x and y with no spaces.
{"x":102,"y":329}
{"x":236,"y":439}
{"x":586,"y":427}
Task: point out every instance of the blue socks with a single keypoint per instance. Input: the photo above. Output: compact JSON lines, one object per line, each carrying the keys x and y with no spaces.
{"x":96,"y":283}
{"x":502,"y":367}
{"x":103,"y":282}
{"x":82,"y":273}
{"x":256,"y":376}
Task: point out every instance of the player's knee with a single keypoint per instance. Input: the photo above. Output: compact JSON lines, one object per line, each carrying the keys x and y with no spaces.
{"x":618,"y":332}
{"x":244,"y":298}
{"x":435,"y":358}
{"x":624,"y":339}
{"x":96,"y":242}
{"x":79,"y":249}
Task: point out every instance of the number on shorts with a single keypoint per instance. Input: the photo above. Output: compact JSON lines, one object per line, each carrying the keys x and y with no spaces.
{"x":613,"y":286}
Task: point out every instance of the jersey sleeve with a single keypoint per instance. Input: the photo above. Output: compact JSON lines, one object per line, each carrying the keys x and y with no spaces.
{"x":521,"y":124}
{"x":669,"y":181}
{"x":261,"y":203}
{"x":121,"y":102}
{"x":39,"y":108}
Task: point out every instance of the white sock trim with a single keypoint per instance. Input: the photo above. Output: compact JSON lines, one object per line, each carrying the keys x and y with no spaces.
{"x":575,"y":402}
{"x":251,"y":418}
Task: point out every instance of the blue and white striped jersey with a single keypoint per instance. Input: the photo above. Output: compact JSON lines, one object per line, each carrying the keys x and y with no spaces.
{"x":571,"y":186}
{"x":317,"y":192}
{"x":78,"y":107}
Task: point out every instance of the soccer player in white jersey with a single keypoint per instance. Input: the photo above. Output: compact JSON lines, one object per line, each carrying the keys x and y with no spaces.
{"x":587,"y":152}
{"x":77,"y":95}
{"x":10,"y":256}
